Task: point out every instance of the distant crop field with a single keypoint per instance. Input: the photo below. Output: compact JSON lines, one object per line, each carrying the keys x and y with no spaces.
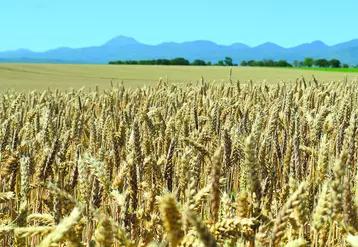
{"x":23,"y":77}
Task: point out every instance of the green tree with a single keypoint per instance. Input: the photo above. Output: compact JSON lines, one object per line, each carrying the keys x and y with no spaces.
{"x":269,"y":62}
{"x":258,"y":64}
{"x":308,"y":62}
{"x":228,"y":61}
{"x":199,"y":62}
{"x":322,"y":63}
{"x":243,"y":63}
{"x":345,"y":65}
{"x":251,"y":62}
{"x":208,"y":63}
{"x":131,"y":62}
{"x":335,"y":63}
{"x":148,"y":62}
{"x":179,"y":61}
{"x":220,"y":63}
{"x":283,"y":63}
{"x":166,"y":62}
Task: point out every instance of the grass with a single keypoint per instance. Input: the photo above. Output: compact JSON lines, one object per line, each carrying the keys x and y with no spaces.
{"x":23,"y":77}
{"x":346,"y":70}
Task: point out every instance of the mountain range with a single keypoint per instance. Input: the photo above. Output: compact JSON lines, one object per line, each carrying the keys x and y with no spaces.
{"x":127,"y":48}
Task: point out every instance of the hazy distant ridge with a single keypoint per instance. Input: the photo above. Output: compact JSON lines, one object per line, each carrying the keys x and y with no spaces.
{"x":126,"y":48}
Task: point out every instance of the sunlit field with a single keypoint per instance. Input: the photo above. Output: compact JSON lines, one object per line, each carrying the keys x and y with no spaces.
{"x":206,"y":164}
{"x":23,"y":77}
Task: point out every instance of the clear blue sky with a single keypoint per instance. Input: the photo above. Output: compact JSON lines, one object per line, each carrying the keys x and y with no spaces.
{"x":44,"y":24}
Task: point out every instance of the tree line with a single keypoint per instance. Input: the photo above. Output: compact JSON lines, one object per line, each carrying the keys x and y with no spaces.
{"x":321,"y":63}
{"x":266,"y":63}
{"x":307,"y":62}
{"x":176,"y":61}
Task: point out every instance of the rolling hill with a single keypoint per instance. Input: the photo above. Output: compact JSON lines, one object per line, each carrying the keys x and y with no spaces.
{"x":127,"y":48}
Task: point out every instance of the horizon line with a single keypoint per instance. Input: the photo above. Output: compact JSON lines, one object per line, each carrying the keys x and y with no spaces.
{"x":190,"y":41}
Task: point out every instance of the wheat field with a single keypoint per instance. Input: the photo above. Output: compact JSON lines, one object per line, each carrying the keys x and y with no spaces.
{"x":190,"y":164}
{"x":25,"y":77}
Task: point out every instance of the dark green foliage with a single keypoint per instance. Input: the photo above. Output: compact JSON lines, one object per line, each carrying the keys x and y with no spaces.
{"x":322,"y":63}
{"x":199,"y":62}
{"x":228,"y":61}
{"x":308,"y":62}
{"x":175,"y":61}
{"x":220,"y":63}
{"x":283,"y":63}
{"x":335,"y":63}
{"x":251,"y":62}
{"x":179,"y":61}
{"x":266,"y":63}
{"x":269,"y":63}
